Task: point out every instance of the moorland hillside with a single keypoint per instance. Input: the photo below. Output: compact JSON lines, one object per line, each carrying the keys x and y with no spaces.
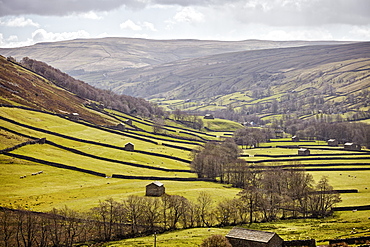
{"x":279,"y":70}
{"x":333,"y":79}
{"x":93,"y":60}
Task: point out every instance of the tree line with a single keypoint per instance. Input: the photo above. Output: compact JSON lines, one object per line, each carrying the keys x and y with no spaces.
{"x":265,"y":197}
{"x":272,"y":193}
{"x":341,"y":131}
{"x":187,"y":119}
{"x":124,"y":103}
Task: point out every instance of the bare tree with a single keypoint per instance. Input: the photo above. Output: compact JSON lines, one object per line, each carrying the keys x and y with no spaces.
{"x":323,"y":199}
{"x":251,"y":193}
{"x":211,"y":160}
{"x":134,"y":208}
{"x":251,"y":136}
{"x":152,"y":212}
{"x":7,"y":229}
{"x":204,"y":202}
{"x":227,"y":212}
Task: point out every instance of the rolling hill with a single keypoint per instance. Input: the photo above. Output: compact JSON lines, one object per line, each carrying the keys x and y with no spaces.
{"x":281,"y":70}
{"x":267,"y":78}
{"x":52,"y":162}
{"x":94,"y":60}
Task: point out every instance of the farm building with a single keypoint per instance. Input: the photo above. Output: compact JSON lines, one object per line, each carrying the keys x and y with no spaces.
{"x":121,"y":126}
{"x":352,"y":146}
{"x":129,"y":146}
{"x":155,"y":189}
{"x":208,"y":116}
{"x":303,"y":151}
{"x":241,"y":237}
{"x":74,"y":116}
{"x":295,"y":139}
{"x":332,"y":143}
{"x":42,"y":140}
{"x":279,"y":133}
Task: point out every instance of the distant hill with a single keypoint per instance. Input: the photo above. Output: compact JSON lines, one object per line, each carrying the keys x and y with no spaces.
{"x":95,"y":60}
{"x":244,"y":71}
{"x":267,"y":78}
{"x":330,"y":78}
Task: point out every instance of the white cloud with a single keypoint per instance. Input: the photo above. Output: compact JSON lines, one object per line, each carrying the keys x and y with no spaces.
{"x":149,"y":26}
{"x":41,"y":35}
{"x":12,"y":38}
{"x":19,"y":22}
{"x":189,"y":15}
{"x":91,"y":15}
{"x":130,"y":25}
{"x":139,"y":26}
{"x":2,"y":43}
{"x":13,"y":41}
{"x":361,"y":32}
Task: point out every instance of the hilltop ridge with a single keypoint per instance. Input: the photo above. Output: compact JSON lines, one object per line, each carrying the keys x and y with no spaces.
{"x":93,"y":60}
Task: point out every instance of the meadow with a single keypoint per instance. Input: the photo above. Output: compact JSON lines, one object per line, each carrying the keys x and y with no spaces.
{"x":58,"y":188}
{"x":340,"y":225}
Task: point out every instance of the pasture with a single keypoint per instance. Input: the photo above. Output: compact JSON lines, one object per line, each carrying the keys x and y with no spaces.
{"x":340,"y":225}
{"x":100,"y":150}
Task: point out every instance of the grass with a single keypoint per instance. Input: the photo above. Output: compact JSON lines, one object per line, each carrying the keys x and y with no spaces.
{"x":221,"y":125}
{"x":114,"y":153}
{"x":56,"y":188}
{"x":9,"y":140}
{"x":180,"y":238}
{"x":59,"y":125}
{"x":340,"y":225}
{"x":64,"y":157}
{"x":349,"y":180}
{"x":59,"y":187}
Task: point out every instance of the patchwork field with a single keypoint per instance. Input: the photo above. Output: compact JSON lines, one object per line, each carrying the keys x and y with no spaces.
{"x":341,"y":225}
{"x":100,"y":149}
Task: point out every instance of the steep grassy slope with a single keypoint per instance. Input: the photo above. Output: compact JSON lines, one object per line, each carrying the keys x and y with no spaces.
{"x":19,"y":86}
{"x":93,"y":60}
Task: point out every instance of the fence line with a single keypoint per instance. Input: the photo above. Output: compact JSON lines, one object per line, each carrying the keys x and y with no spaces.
{"x":93,"y":142}
{"x":54,"y":164}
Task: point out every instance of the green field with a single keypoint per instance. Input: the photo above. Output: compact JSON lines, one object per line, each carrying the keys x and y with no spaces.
{"x":340,"y":225}
{"x":57,"y":187}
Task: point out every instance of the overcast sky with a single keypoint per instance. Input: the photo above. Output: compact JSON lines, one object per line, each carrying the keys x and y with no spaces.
{"x":25,"y":22}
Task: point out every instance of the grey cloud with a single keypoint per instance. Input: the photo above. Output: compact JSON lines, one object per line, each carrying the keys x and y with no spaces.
{"x":62,"y":7}
{"x":65,"y":7}
{"x":305,"y":13}
{"x":270,"y":12}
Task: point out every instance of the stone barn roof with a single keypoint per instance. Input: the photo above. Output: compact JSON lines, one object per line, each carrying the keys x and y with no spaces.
{"x":158,"y":184}
{"x":251,"y":235}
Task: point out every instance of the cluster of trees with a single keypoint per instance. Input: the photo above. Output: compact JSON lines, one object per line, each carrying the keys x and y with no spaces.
{"x":270,"y":193}
{"x":281,"y":193}
{"x":189,"y":120}
{"x":124,"y":103}
{"x":265,"y":197}
{"x":210,"y":161}
{"x":245,"y":114}
{"x":215,"y":159}
{"x":252,"y":136}
{"x":342,"y":131}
